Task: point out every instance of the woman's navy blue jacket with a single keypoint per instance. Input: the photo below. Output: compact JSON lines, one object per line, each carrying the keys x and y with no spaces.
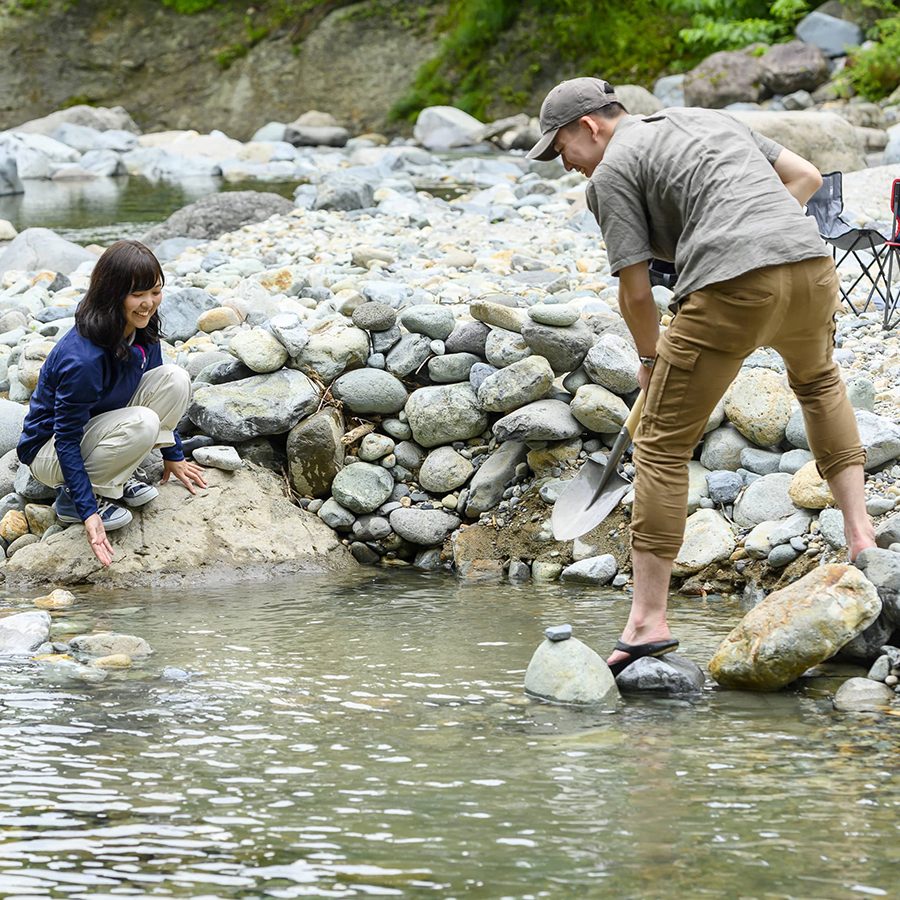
{"x":80,"y":380}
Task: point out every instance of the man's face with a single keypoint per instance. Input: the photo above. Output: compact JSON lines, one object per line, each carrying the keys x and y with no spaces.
{"x":581,"y":145}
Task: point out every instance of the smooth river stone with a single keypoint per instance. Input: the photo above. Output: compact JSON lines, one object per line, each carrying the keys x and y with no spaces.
{"x":522,"y":382}
{"x":22,"y":633}
{"x":362,"y":487}
{"x":570,"y":672}
{"x":795,"y":628}
{"x":443,"y":414}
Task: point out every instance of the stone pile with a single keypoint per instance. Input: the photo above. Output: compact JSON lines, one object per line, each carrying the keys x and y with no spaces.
{"x":420,"y":364}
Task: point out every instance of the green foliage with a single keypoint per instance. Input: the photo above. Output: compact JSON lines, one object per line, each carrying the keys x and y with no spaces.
{"x":731,"y":24}
{"x":489,"y":44}
{"x":190,"y":7}
{"x":874,"y":72}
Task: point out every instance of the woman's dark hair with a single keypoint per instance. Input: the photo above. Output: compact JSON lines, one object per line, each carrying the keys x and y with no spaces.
{"x":125,"y":267}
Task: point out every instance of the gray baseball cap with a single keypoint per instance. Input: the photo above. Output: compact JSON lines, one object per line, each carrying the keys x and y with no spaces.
{"x":568,"y":101}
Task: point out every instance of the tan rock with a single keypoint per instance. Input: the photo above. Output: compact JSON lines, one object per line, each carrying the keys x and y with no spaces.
{"x":758,"y":404}
{"x":499,"y":316}
{"x":13,"y":525}
{"x":113,"y":661}
{"x":58,"y":599}
{"x":241,"y":528}
{"x":808,"y":490}
{"x":797,"y":627}
{"x":553,"y":455}
{"x":39,"y":517}
{"x":708,"y":538}
{"x":599,"y":409}
{"x":218,"y":318}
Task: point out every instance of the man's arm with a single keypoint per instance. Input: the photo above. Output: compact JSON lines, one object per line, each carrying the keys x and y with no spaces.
{"x":799,"y":176}
{"x":637,"y":307}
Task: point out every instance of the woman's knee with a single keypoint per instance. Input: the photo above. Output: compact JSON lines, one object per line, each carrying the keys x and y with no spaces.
{"x":144,"y":425}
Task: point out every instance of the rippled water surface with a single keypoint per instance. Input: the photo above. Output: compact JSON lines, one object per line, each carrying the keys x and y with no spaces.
{"x":370,"y":737}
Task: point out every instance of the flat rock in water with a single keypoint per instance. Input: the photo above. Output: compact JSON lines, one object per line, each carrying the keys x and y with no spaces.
{"x":670,"y":674}
{"x":110,"y":643}
{"x":241,"y":528}
{"x":795,"y":628}
{"x":570,"y":672}
{"x":862,"y":695}
{"x":23,"y":633}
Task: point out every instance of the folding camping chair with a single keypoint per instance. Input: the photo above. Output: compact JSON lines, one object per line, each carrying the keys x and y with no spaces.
{"x":892,"y":251}
{"x":826,"y":206}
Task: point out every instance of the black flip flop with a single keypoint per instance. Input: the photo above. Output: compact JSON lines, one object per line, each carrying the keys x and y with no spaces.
{"x":636,"y":651}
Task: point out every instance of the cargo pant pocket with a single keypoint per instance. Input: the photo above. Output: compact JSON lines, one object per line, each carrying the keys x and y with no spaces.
{"x":670,"y":383}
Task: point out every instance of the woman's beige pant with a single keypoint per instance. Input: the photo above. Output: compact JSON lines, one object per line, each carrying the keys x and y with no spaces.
{"x":115,"y":442}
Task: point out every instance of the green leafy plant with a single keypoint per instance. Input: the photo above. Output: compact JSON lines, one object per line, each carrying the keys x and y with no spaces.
{"x":874,"y":72}
{"x":730,"y":24}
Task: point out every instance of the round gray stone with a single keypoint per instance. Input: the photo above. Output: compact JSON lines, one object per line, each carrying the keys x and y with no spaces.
{"x":362,"y":487}
{"x":766,"y":498}
{"x":444,"y":470}
{"x":669,"y":674}
{"x":563,"y":348}
{"x":435,"y":321}
{"x":443,"y":414}
{"x":425,"y":527}
{"x":370,"y":391}
{"x":545,"y":420}
{"x":558,"y":315}
{"x":374,"y":316}
{"x":451,"y":368}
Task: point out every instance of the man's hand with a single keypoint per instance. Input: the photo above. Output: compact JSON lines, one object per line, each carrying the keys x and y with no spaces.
{"x":96,"y":535}
{"x":188,"y":473}
{"x":643,"y":377}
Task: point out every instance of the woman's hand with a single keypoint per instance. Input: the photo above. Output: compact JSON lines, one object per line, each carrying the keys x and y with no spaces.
{"x":188,"y":473}
{"x":96,"y":535}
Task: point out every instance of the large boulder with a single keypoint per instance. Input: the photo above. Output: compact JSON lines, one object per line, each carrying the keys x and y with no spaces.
{"x":522,"y":382}
{"x":445,"y":127}
{"x":241,"y":528}
{"x":797,"y":627}
{"x":103,"y":118}
{"x":22,"y":633}
{"x":262,"y":404}
{"x":12,"y":416}
{"x":832,"y":35}
{"x":795,"y":66}
{"x":638,"y":100}
{"x":344,"y":191}
{"x":730,"y":76}
{"x":826,"y":139}
{"x":10,"y":182}
{"x":218,"y":214}
{"x":315,"y":453}
{"x":570,"y":672}
{"x":40,"y":248}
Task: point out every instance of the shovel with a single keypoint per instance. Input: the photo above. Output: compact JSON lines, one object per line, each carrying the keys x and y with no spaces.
{"x":597,"y":489}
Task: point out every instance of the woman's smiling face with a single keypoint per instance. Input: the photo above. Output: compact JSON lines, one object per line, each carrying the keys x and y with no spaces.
{"x":139,"y":307}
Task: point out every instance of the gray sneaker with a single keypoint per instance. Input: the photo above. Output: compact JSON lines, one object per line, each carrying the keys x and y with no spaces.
{"x":137,"y":493}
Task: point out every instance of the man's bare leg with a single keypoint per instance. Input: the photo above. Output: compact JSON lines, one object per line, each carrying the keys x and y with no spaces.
{"x":647,"y":620}
{"x":848,"y":488}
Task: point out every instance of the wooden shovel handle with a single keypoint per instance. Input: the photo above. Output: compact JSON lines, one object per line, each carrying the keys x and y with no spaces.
{"x":631,"y":423}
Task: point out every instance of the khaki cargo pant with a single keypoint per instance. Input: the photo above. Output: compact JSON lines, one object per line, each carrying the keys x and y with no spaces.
{"x":115,"y":442}
{"x":788,"y":307}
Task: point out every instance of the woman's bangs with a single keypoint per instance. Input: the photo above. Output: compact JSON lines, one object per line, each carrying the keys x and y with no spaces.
{"x":146,"y":273}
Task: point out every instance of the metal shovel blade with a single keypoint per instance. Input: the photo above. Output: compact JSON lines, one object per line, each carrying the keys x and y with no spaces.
{"x":580,"y":508}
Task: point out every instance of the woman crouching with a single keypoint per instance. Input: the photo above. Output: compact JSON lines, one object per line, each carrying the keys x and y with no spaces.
{"x":104,"y":400}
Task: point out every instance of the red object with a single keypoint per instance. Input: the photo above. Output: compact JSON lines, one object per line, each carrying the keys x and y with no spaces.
{"x":895,"y":209}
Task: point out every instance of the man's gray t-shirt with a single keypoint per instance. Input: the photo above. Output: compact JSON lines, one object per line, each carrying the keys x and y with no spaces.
{"x":697,"y":188}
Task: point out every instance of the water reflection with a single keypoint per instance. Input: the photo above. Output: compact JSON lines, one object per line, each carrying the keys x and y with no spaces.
{"x":370,"y":736}
{"x":104,"y":209}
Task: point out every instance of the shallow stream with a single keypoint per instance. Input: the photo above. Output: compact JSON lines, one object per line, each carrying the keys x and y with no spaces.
{"x":369,"y":736}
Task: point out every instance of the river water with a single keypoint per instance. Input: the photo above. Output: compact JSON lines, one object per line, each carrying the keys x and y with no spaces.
{"x":369,"y":736}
